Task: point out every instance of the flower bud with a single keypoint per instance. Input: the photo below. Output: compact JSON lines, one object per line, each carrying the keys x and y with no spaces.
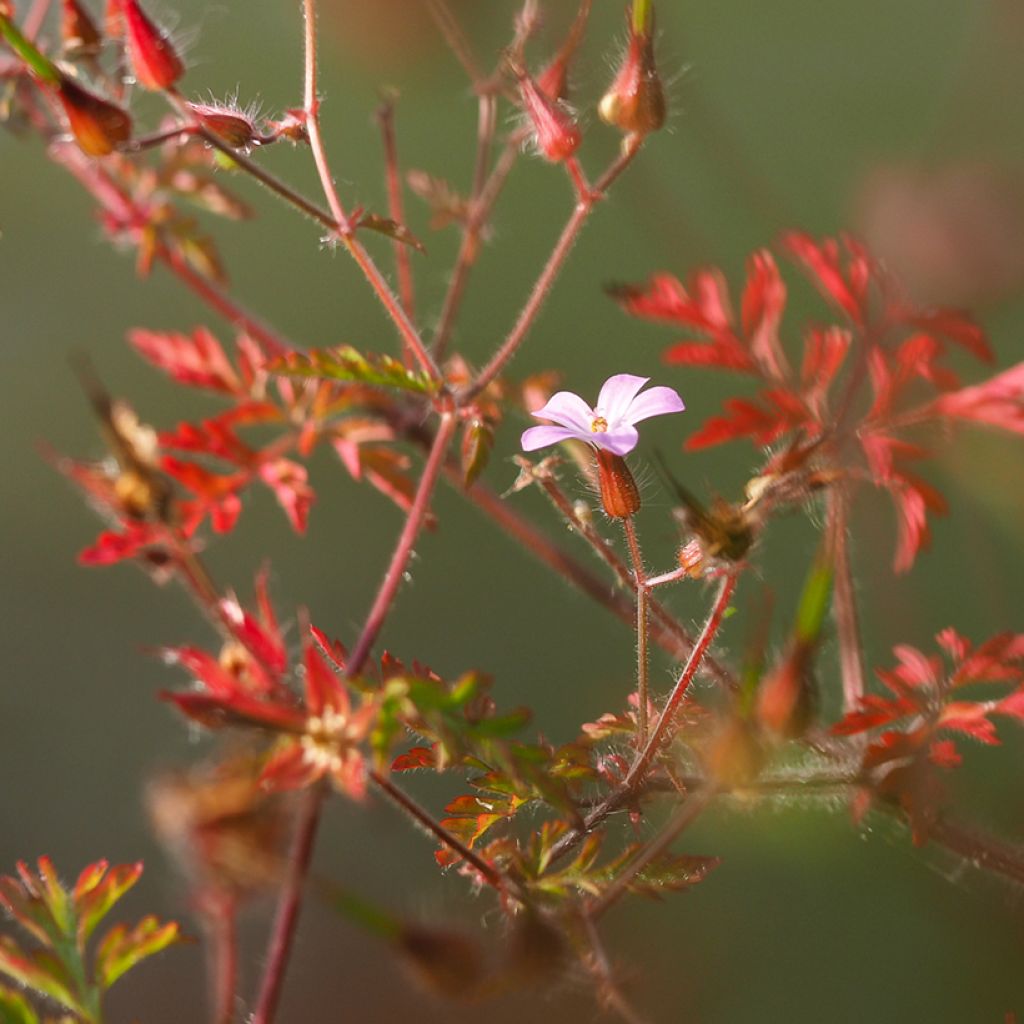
{"x":232,"y":125}
{"x":635,"y":103}
{"x":98,"y":126}
{"x":555,"y":135}
{"x":786,"y":698}
{"x":620,"y":495}
{"x":78,"y":31}
{"x":153,"y":58}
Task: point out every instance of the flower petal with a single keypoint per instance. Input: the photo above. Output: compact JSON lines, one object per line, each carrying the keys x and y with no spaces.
{"x":620,"y":440}
{"x":654,"y":402}
{"x":616,"y":395}
{"x":567,"y":410}
{"x":541,"y":437}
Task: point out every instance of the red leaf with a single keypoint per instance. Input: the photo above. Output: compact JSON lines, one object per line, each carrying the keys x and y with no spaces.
{"x":415,"y":757}
{"x":197,"y":359}
{"x":288,"y":481}
{"x":111,"y":547}
{"x":764,"y":300}
{"x":846,"y":287}
{"x":999,"y":401}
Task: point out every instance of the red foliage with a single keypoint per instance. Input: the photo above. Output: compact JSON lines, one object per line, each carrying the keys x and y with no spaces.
{"x":860,"y":385}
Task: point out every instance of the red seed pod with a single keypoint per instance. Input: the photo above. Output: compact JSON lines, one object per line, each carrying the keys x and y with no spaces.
{"x":234,"y":126}
{"x":99,"y":127}
{"x":635,"y":103}
{"x":78,"y":31}
{"x":153,"y":57}
{"x":555,"y":134}
{"x":620,"y":495}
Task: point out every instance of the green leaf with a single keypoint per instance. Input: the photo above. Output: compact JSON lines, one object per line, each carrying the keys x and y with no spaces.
{"x":672,"y":873}
{"x":391,"y":228}
{"x":120,"y":949}
{"x":346,"y":363}
{"x":14,"y":1009}
{"x":42,"y":67}
{"x":39,"y":971}
{"x":814,"y":602}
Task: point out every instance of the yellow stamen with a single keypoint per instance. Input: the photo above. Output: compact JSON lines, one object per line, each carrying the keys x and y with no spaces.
{"x":599,"y":425}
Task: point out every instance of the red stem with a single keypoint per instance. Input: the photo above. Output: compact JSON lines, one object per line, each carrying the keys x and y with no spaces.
{"x":661,"y":734}
{"x":403,"y":264}
{"x":403,"y":549}
{"x":547,"y":277}
{"x":222,"y":926}
{"x":844,"y":601}
{"x":345,"y":229}
{"x":640,"y":583}
{"x":289,"y":904}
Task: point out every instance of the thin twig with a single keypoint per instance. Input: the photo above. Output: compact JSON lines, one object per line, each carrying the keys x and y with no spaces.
{"x":345,"y":228}
{"x":222,"y":927}
{"x":661,"y":733}
{"x":555,"y":262}
{"x":640,"y":582}
{"x":451,"y":30}
{"x":844,"y":601}
{"x":403,"y":548}
{"x":690,"y":809}
{"x":627,"y":792}
{"x":396,"y":211}
{"x":289,"y":904}
{"x":481,"y":202}
{"x":601,"y":967}
{"x":446,"y":838}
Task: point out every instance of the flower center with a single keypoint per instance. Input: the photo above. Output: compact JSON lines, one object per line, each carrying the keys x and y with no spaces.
{"x":598,"y":425}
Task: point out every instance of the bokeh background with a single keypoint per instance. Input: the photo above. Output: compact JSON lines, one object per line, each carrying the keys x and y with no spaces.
{"x":902,"y":121}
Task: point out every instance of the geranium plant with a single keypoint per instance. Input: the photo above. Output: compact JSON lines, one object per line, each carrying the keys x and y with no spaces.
{"x":553,"y":832}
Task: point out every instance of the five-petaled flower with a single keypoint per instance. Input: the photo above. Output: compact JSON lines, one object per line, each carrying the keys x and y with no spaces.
{"x":611,"y":425}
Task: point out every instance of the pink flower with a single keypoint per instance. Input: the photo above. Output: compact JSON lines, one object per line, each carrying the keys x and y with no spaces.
{"x":611,"y":424}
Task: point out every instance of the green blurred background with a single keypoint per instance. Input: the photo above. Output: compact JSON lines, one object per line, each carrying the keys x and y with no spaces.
{"x":902,"y":120}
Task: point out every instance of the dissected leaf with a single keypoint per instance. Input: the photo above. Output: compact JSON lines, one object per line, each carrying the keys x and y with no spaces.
{"x":121,"y":949}
{"x":346,"y":363}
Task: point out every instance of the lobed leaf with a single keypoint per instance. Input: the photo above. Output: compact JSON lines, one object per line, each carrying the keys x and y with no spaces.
{"x":346,"y":363}
{"x":120,"y":949}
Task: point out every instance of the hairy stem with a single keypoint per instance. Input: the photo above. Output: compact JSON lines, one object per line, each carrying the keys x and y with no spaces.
{"x":640,"y":582}
{"x":289,"y":904}
{"x":661,"y":733}
{"x":844,"y":601}
{"x":555,"y":262}
{"x":345,"y":229}
{"x":479,"y":211}
{"x":423,"y":818}
{"x":688,"y":811}
{"x":403,"y":264}
{"x":403,"y":548}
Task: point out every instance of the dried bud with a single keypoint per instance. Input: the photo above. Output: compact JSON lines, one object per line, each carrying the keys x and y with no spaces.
{"x":153,"y":57}
{"x":98,"y":126}
{"x":735,"y":755}
{"x":620,"y":495}
{"x":220,"y":825}
{"x":635,"y":103}
{"x":555,"y":134}
{"x":236,"y":127}
{"x":444,"y":962}
{"x":78,"y":31}
{"x":291,"y":127}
